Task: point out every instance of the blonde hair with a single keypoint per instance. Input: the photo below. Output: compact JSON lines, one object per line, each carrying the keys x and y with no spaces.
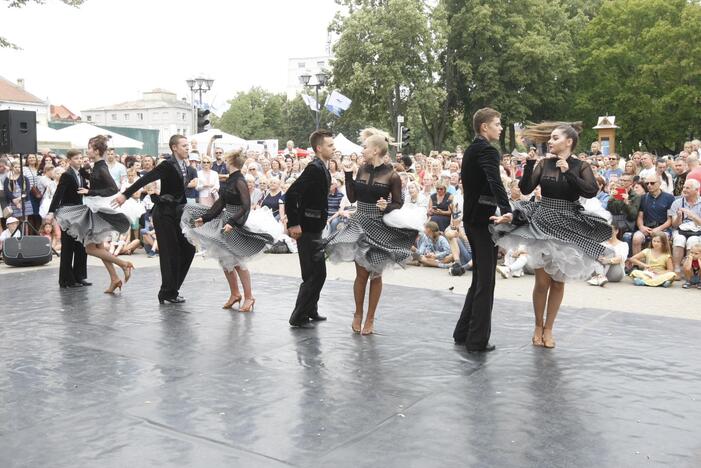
{"x":206,"y":159}
{"x":377,"y":138}
{"x":235,"y":158}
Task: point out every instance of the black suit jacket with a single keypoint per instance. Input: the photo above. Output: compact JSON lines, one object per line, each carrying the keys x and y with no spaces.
{"x":172,"y":183}
{"x":307,"y":200}
{"x":483,"y":191}
{"x":67,"y":191}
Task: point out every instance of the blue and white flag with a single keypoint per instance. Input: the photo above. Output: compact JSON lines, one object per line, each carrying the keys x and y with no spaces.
{"x":311,"y":102}
{"x":337,"y":103}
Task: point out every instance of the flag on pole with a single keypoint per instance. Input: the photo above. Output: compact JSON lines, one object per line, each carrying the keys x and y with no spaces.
{"x":337,"y":103}
{"x":311,"y":102}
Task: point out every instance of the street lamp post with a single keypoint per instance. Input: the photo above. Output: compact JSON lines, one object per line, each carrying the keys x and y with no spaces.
{"x":321,"y":79}
{"x":198,"y":85}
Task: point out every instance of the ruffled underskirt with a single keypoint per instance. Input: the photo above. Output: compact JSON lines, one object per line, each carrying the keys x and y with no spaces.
{"x":96,"y":221}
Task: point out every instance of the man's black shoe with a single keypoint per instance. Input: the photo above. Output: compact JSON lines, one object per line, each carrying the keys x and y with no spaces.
{"x":171,"y":300}
{"x":71,"y":285}
{"x":485,"y":349}
{"x":301,"y":325}
{"x":459,"y":343}
{"x":318,"y":318}
{"x":85,"y":283}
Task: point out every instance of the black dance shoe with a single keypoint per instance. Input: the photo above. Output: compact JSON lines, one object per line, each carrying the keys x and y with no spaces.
{"x":171,"y":300}
{"x":85,"y":283}
{"x":485,"y":349}
{"x":301,"y":325}
{"x":318,"y":318}
{"x":70,"y":285}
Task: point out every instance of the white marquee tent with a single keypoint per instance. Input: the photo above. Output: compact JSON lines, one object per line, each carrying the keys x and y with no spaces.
{"x":48,"y":137}
{"x":227,"y":141}
{"x":79,"y":134}
{"x":345,"y":146}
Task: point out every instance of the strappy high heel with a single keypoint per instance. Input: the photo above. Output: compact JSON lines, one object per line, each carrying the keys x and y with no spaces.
{"x":359,"y":320}
{"x":232,"y":300}
{"x":537,"y":339}
{"x":248,"y":305}
{"x":127,"y":269}
{"x":368,"y":328}
{"x":548,"y":342}
{"x":114,"y":286}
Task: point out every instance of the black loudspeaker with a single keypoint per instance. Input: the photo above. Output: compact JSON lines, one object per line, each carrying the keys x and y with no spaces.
{"x":18,"y":132}
{"x":26,"y":251}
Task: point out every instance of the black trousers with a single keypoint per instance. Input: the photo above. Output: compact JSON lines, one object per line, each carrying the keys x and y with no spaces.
{"x":74,"y":261}
{"x":475,"y":323}
{"x":313,"y":265}
{"x":175,"y":253}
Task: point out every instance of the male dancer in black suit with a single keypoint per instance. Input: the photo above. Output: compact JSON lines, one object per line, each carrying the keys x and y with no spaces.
{"x":175,"y":252}
{"x":73,"y":270}
{"x":483,"y":193}
{"x":306,"y":207}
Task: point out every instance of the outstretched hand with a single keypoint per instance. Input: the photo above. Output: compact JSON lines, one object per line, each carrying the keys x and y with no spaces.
{"x":505,"y":219}
{"x":118,"y":200}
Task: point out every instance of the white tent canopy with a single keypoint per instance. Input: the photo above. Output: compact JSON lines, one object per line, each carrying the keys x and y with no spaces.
{"x":345,"y":146}
{"x":48,"y":137}
{"x":79,"y":134}
{"x":226,"y":142}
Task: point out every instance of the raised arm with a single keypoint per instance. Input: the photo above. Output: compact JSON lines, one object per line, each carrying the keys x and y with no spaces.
{"x":531,"y":176}
{"x":582,"y":181}
{"x":239,"y":219}
{"x":156,"y":174}
{"x":396,"y":191}
{"x":350,"y":186}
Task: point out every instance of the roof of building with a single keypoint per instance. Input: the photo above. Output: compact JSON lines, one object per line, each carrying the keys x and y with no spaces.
{"x":61,"y":112}
{"x":148,"y":103}
{"x":13,"y":92}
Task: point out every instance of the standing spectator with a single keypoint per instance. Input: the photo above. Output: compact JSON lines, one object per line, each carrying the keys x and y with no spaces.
{"x":613,"y":168}
{"x":631,"y":169}
{"x":31,"y":172}
{"x":440,"y":207}
{"x":335,"y":199}
{"x":595,"y":149}
{"x":666,"y":183}
{"x":147,"y":165}
{"x":290,"y":149}
{"x":276,"y":169}
{"x":679,"y":174}
{"x":274,"y":199}
{"x":653,"y":216}
{"x":256,"y":194}
{"x":47,"y":185}
{"x":4,"y":172}
{"x":647,"y":163}
{"x":219,"y":166}
{"x":207,"y":183}
{"x":16,"y":188}
{"x":685,"y":218}
{"x":692,"y":162}
{"x":191,"y":181}
{"x":118,"y":171}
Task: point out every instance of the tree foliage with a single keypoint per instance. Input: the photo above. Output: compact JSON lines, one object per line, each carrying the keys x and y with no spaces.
{"x":641,"y":61}
{"x":4,"y":43}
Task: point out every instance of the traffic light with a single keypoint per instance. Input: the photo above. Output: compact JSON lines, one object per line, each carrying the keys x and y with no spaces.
{"x":405,"y":136}
{"x":202,"y":120}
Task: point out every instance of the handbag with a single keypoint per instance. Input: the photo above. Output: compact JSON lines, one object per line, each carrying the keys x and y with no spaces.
{"x":36,"y":193}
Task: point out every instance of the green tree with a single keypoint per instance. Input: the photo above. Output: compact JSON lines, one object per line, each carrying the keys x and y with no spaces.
{"x":4,"y":43}
{"x":254,"y":114}
{"x":641,"y":61}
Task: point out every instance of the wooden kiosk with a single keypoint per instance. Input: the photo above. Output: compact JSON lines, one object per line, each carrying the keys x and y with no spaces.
{"x":606,"y":129}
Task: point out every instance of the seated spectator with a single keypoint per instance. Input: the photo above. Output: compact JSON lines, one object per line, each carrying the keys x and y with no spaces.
{"x":433,"y":250}
{"x":602,"y":195}
{"x":623,"y":204}
{"x":648,"y":169}
{"x":274,"y":199}
{"x":148,"y":237}
{"x":47,"y":230}
{"x":459,"y":247}
{"x":515,"y":194}
{"x":666,"y":181}
{"x":692,"y":162}
{"x":256,"y":194}
{"x":685,"y":218}
{"x":653,"y":215}
{"x":515,"y":261}
{"x":655,"y":263}
{"x":692,"y":274}
{"x":415,"y":196}
{"x":440,"y":206}
{"x":613,"y":265}
{"x":12,"y":224}
{"x":334,"y":206}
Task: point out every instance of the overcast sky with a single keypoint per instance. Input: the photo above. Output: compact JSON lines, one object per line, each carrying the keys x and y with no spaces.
{"x":109,"y":51}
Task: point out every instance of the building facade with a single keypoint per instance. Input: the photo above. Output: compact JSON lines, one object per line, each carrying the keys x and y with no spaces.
{"x":13,"y":96}
{"x":304,"y":65}
{"x":158,"y":110}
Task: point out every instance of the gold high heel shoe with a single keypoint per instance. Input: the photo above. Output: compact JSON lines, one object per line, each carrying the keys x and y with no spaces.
{"x":537,"y":339}
{"x":232,"y":300}
{"x":368,"y":328}
{"x":127,"y":269}
{"x":114,"y":286}
{"x":248,"y":305}
{"x":548,"y":342}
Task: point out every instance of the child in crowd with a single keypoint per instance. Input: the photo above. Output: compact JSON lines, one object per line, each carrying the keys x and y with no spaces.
{"x":613,"y":265}
{"x":691,"y":268}
{"x":47,"y":230}
{"x":433,"y":250}
{"x":656,"y":263}
{"x":515,"y":261}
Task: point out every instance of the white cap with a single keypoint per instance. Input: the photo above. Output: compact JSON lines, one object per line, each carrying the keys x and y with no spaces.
{"x":194,"y":157}
{"x":11,"y":220}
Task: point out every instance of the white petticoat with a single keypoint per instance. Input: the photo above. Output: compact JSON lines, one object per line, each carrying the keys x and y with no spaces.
{"x":262,"y":221}
{"x":407,"y":217}
{"x":131,"y":208}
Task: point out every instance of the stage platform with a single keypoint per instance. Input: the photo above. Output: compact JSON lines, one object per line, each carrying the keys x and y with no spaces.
{"x":90,"y":380}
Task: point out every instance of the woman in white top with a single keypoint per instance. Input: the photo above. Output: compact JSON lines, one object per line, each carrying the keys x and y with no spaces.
{"x":613,"y":265}
{"x":47,"y":185}
{"x":207,"y":183}
{"x":416,"y":196}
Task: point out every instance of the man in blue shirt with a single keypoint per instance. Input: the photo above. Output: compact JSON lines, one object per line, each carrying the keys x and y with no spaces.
{"x":653,"y":215}
{"x":613,"y":168}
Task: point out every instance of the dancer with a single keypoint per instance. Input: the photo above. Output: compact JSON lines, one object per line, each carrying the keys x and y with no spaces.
{"x":306,"y":203}
{"x":483,"y":193}
{"x":96,"y":221}
{"x":222,"y":234}
{"x":175,"y":252}
{"x":73,"y":270}
{"x":367,"y":240}
{"x":563,"y":241}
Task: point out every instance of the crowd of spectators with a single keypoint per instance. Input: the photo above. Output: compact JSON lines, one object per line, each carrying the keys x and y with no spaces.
{"x":648,"y":199}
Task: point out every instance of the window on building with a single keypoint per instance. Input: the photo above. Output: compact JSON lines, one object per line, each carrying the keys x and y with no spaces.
{"x":301,"y":65}
{"x":139,"y":116}
{"x":88,"y":118}
{"x":126,"y":116}
{"x":155,"y":116}
{"x":321,"y":64}
{"x":165,"y":115}
{"x":183,"y":116}
{"x":114,"y":116}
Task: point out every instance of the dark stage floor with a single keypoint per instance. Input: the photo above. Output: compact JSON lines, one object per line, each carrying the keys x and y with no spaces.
{"x":94,"y":381}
